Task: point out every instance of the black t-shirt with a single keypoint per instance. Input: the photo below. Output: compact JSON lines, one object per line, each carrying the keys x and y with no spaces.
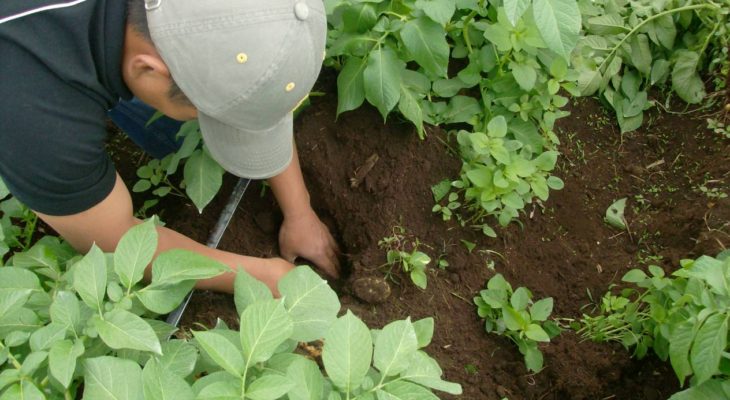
{"x":60,"y":71}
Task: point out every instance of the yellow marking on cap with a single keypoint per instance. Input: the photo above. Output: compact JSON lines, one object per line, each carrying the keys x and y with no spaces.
{"x":290,"y":86}
{"x":242,"y":58}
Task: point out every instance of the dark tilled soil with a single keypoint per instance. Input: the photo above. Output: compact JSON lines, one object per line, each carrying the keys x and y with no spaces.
{"x":562,"y":248}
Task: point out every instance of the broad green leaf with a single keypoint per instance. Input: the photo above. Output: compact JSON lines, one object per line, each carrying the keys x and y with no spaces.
{"x":497,"y":127}
{"x":440,"y":11}
{"x":419,"y":278}
{"x":708,"y":347}
{"x":426,"y":42}
{"x":268,"y":387}
{"x":43,"y":338}
{"x":533,"y":358}
{"x":679,"y":346}
{"x":307,"y":379}
{"x":359,"y":18}
{"x":32,"y":362}
{"x":121,"y":329}
{"x":160,"y":383}
{"x":394,"y":346}
{"x":514,"y":9}
{"x":221,"y":390}
{"x":177,"y":265}
{"x":512,"y":319}
{"x":350,"y":85}
{"x":25,"y":390}
{"x":525,"y":75}
{"x":65,"y":310}
{"x":424,"y":331}
{"x":347,"y":352}
{"x":607,"y":24}
{"x":540,"y":311}
{"x":461,"y":109}
{"x":16,"y":287}
{"x":713,"y":389}
{"x":248,"y":290}
{"x":112,"y":378}
{"x":641,"y":54}
{"x":264,"y":326}
{"x":90,"y":277}
{"x":535,"y":332}
{"x":448,"y":87}
{"x":162,"y":298}
{"x":22,"y":319}
{"x":659,"y":71}
{"x":559,"y":22}
{"x":311,"y":303}
{"x":62,"y":360}
{"x":589,"y":82}
{"x":710,"y":271}
{"x":178,"y":357}
{"x":425,"y":371}
{"x":685,"y":78}
{"x":134,"y":252}
{"x":382,"y":79}
{"x":39,"y":256}
{"x":222,"y":351}
{"x":203,"y":178}
{"x":400,"y":390}
{"x":555,"y":183}
{"x":520,"y":298}
{"x":410,"y":106}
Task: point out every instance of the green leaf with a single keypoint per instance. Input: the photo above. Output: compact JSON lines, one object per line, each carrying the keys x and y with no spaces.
{"x":512,"y":319}
{"x":685,"y":78}
{"x":461,"y":109}
{"x":441,"y":189}
{"x":268,"y":387}
{"x":16,"y":287}
{"x":424,"y":331}
{"x":634,"y":276}
{"x":425,"y":371}
{"x":394,"y":346}
{"x":163,"y":298}
{"x":25,"y":390}
{"x":641,"y":54}
{"x":540,"y":311}
{"x":400,"y":390}
{"x":713,"y":389}
{"x":43,"y":338}
{"x":426,"y":42}
{"x":178,"y":265}
{"x":307,"y":379}
{"x":615,"y":214}
{"x":608,"y":25}
{"x":178,"y":357}
{"x":555,"y":183}
{"x":90,"y":277}
{"x":112,"y":378}
{"x":312,"y":304}
{"x":121,"y":329}
{"x":160,"y":383}
{"x":497,"y":127}
{"x":559,"y":22}
{"x":65,"y":310}
{"x":347,"y":352}
{"x":222,"y":351}
{"x":134,"y":252}
{"x":264,"y":326}
{"x":248,"y":290}
{"x":514,"y":9}
{"x":533,"y":358}
{"x":708,"y":347}
{"x":203,"y":178}
{"x":359,"y":18}
{"x":419,"y":278}
{"x":62,"y":360}
{"x":520,"y":298}
{"x":382,"y":79}
{"x":535,"y":332}
{"x":679,"y":347}
{"x":440,"y":11}
{"x":524,"y":74}
{"x":589,"y":82}
{"x":410,"y":106}
{"x":659,"y":71}
{"x":350,"y":85}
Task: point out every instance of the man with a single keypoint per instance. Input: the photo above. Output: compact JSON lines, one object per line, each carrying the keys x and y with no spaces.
{"x":240,"y":66}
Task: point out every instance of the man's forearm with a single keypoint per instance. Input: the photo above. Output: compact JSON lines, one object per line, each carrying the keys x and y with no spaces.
{"x":289,"y":189}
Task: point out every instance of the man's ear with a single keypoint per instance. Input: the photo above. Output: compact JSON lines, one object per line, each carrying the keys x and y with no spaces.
{"x":145,"y":66}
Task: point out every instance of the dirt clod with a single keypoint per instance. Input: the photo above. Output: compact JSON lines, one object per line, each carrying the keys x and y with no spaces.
{"x":372,"y":290}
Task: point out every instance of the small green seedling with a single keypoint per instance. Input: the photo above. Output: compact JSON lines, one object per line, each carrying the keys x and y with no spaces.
{"x":411,"y":260}
{"x":513,"y":314}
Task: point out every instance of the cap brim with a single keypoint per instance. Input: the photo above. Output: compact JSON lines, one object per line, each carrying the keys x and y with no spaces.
{"x":249,"y":154}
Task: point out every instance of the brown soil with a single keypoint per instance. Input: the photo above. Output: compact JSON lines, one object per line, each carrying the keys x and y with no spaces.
{"x":563,"y":248}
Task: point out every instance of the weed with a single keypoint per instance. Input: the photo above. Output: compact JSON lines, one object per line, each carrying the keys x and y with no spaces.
{"x":404,"y":252}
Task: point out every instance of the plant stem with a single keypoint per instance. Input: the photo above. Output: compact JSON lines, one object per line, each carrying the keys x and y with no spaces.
{"x":12,"y":358}
{"x":644,"y":22}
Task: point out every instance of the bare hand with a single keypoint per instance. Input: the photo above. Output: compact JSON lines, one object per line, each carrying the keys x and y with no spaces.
{"x":306,"y":236}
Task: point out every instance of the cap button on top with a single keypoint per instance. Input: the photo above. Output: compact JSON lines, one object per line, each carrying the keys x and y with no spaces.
{"x":301,"y":10}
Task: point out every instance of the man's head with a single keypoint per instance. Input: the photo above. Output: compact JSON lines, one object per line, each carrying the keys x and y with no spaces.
{"x":243,"y":64}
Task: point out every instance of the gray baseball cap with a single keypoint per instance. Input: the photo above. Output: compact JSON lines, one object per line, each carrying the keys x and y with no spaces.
{"x":245,"y":65}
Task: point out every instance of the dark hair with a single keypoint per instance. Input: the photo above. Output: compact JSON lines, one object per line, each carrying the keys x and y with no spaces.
{"x":137,"y":18}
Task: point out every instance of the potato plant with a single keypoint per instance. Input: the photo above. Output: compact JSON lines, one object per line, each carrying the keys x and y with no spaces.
{"x":683,"y":317}
{"x":498,"y":67}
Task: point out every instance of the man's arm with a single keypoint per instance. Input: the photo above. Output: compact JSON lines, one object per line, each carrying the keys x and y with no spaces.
{"x":302,"y":234}
{"x":105,"y":223}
